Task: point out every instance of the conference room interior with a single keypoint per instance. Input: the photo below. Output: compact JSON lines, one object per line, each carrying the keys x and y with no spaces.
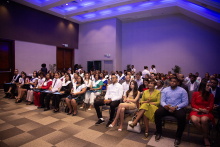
{"x":102,"y":35}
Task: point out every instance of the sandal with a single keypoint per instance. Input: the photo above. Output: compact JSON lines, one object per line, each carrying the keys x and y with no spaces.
{"x":146,"y":134}
{"x":132,"y":125}
{"x":56,"y":110}
{"x":75,"y":114}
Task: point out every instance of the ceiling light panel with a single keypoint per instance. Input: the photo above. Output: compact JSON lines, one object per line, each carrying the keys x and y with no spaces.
{"x":77,"y":5}
{"x":41,"y":3}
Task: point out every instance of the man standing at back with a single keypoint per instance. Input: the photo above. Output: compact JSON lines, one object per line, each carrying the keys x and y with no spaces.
{"x":145,"y":71}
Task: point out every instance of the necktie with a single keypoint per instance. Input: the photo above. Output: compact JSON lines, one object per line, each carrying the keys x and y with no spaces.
{"x":54,"y":83}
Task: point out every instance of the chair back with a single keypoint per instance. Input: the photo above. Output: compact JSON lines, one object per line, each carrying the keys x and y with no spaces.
{"x":190,"y":96}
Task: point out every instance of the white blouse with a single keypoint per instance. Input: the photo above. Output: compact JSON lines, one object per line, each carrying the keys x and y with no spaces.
{"x":40,"y":82}
{"x":88,"y":83}
{"x":75,"y":90}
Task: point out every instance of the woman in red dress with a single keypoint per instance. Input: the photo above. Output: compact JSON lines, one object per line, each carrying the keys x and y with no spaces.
{"x":202,"y":103}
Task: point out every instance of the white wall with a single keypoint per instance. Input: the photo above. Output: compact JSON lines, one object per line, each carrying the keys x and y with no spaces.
{"x":29,"y":56}
{"x":95,"y":40}
{"x":171,"y":40}
{"x":118,"y":45}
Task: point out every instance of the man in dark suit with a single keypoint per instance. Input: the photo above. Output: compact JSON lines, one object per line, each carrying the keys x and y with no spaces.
{"x":216,"y":92}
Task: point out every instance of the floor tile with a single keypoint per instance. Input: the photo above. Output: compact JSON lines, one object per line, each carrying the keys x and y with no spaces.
{"x":37,"y":143}
{"x":55,"y":137}
{"x":47,"y":120}
{"x":41,"y":131}
{"x":88,"y":135}
{"x":130,"y":143}
{"x":20,"y":121}
{"x":107,"y":140}
{"x":72,"y":129}
{"x":10,"y":133}
{"x":72,"y":141}
{"x":19,"y":139}
{"x":5,"y":126}
{"x":29,"y":126}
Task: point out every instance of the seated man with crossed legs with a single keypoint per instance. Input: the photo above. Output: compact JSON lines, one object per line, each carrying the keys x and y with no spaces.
{"x":113,"y":95}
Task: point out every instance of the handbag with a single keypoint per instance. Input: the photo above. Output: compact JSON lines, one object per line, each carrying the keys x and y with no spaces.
{"x":136,"y":129}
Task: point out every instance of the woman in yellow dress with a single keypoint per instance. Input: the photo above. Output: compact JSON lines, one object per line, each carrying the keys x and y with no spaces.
{"x":150,"y":102}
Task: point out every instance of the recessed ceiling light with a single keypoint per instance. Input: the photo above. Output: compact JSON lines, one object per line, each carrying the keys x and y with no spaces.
{"x":66,"y":4}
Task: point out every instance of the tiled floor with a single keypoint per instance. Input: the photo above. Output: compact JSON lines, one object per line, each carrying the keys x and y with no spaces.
{"x":27,"y":126}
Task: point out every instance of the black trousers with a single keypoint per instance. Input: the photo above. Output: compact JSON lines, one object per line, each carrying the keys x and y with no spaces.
{"x":42,"y":97}
{"x":7,"y":86}
{"x":47,"y":100}
{"x":112,"y":105}
{"x":180,"y":115}
{"x":57,"y":98}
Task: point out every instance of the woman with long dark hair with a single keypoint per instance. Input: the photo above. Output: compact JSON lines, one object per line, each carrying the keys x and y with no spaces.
{"x":30,"y":92}
{"x":21,"y":89}
{"x":130,"y":100}
{"x":150,"y":102}
{"x":202,"y":104}
{"x":77,"y":94}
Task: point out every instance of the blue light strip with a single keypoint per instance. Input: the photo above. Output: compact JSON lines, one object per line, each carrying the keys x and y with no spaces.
{"x":41,"y":3}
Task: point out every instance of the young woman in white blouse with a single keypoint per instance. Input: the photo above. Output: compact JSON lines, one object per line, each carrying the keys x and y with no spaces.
{"x":95,"y":90}
{"x":21,"y":89}
{"x":88,"y":83}
{"x":30,"y":92}
{"x":74,"y":80}
{"x":77,"y":94}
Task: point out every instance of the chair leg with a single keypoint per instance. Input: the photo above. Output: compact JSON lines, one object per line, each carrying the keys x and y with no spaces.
{"x":188,"y":131}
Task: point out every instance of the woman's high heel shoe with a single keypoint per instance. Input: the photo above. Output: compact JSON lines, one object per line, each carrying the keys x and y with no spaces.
{"x":110,"y":126}
{"x":132,"y":125}
{"x":146,"y":134}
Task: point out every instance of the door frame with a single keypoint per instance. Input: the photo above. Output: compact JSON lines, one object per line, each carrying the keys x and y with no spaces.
{"x":66,"y":48}
{"x":12,"y":60}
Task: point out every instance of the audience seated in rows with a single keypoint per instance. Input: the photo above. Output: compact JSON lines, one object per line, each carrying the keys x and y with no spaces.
{"x":192,"y":84}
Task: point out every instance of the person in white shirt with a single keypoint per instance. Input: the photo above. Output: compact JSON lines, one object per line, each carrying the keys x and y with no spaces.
{"x":71,"y":73}
{"x":126,"y":84}
{"x":56,"y":85}
{"x":145,"y":71}
{"x":113,"y":96}
{"x":133,"y":69}
{"x":121,"y":76}
{"x":193,"y":85}
{"x":188,"y":78}
{"x":199,"y":79}
{"x":77,"y":94}
{"x":153,"y":69}
{"x":95,"y":90}
{"x":138,"y":79}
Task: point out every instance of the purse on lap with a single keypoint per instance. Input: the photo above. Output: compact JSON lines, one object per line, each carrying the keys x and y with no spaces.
{"x":136,"y":129}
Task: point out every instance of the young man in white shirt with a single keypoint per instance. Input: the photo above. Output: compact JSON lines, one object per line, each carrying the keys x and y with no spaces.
{"x":153,"y":69}
{"x":126,"y":84}
{"x":193,"y":85}
{"x":145,"y":71}
{"x":112,"y":97}
{"x":133,"y":69}
{"x":138,"y":79}
{"x":129,"y":73}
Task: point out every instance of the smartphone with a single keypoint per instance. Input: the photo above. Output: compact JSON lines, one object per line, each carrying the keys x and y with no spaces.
{"x":199,"y":113}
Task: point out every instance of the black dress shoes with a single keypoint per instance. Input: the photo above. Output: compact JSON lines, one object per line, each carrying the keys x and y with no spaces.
{"x":46,"y":109}
{"x":157,"y":137}
{"x":177,"y":141}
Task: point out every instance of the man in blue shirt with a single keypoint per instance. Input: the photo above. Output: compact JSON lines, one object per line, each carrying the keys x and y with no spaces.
{"x":173,"y":101}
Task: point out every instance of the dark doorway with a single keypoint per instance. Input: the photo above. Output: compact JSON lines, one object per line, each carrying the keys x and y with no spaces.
{"x":89,"y":65}
{"x":98,"y":65}
{"x":7,"y":64}
{"x":65,"y":58}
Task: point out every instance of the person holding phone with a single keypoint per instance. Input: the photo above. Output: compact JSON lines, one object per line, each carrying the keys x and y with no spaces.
{"x":202,"y":104}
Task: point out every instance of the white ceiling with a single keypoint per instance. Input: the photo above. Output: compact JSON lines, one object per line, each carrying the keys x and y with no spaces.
{"x":83,"y":11}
